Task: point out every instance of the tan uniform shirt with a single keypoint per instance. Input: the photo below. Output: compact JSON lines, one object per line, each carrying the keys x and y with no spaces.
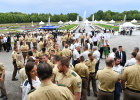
{"x":81,"y":69}
{"x":36,"y":54}
{"x":82,"y":36}
{"x":24,"y":48}
{"x":41,"y":45}
{"x":58,"y":52}
{"x":71,"y":80}
{"x":14,"y":55}
{"x":91,"y":65}
{"x":132,"y":76}
{"x":66,"y":52}
{"x":28,"y":39}
{"x":21,"y":39}
{"x":50,"y":91}
{"x":107,"y":79}
{"x":43,"y":53}
{"x":34,"y":40}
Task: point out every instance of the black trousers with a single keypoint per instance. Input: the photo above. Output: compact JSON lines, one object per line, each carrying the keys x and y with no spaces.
{"x":101,"y":51}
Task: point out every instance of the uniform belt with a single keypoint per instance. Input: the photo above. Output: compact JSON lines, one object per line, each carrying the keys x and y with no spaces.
{"x":133,"y":90}
{"x":106,"y":91}
{"x":92,"y":72}
{"x":83,"y":77}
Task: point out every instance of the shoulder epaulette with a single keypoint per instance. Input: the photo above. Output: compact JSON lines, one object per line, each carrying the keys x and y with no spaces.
{"x":31,"y":91}
{"x":26,"y":82}
{"x":61,"y":85}
{"x":73,"y":74}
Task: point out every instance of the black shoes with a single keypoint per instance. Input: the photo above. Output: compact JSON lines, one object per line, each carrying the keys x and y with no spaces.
{"x":15,"y":79}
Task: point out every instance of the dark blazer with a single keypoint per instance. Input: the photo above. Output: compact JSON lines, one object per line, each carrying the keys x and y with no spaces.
{"x":123,"y":60}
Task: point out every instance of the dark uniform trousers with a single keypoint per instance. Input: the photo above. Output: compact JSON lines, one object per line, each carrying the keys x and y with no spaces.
{"x":15,"y":70}
{"x":101,"y":51}
{"x":24,"y":55}
{"x":29,"y":44}
{"x":93,"y":80}
{"x":84,"y":88}
{"x":102,"y":95}
{"x":34,"y":44}
{"x":131,"y":95}
{"x":82,"y":42}
{"x":2,"y":87}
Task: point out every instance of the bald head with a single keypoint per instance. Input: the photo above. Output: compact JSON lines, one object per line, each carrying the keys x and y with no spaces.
{"x":138,"y":57}
{"x":109,"y":62}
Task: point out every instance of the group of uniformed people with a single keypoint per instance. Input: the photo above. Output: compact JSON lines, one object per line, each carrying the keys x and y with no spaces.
{"x":48,"y":74}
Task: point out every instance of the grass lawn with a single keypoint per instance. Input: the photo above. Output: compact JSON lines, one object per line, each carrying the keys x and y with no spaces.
{"x":108,"y":26}
{"x":68,"y":27}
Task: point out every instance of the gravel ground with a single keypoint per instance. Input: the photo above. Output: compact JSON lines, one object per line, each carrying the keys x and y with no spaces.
{"x":13,"y":87}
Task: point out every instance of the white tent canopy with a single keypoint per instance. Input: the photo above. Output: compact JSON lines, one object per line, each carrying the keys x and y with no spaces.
{"x":95,"y":21}
{"x":86,"y":22}
{"x":41,"y":23}
{"x":128,"y":24}
{"x":76,"y":22}
{"x":112,"y":21}
{"x":60,"y":22}
{"x":70,"y":22}
{"x":102,"y":22}
{"x":134,"y":21}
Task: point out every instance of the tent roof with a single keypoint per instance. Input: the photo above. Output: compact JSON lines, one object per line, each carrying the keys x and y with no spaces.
{"x":128,"y":24}
{"x":41,"y":23}
{"x":134,"y":21}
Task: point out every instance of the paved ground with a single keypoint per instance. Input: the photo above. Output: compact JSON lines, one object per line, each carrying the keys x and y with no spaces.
{"x":13,"y":87}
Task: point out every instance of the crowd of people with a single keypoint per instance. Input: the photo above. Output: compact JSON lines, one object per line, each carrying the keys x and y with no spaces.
{"x":49,"y":72}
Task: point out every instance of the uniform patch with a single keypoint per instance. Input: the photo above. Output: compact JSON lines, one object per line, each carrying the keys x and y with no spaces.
{"x":31,"y":91}
{"x":61,"y":85}
{"x":79,"y":84}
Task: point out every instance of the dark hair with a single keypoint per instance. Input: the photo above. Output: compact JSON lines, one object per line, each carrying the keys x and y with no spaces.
{"x":43,"y":49}
{"x":134,"y":54}
{"x":53,"y":50}
{"x":86,"y":46}
{"x":30,"y":53}
{"x":45,"y":55}
{"x":137,"y":49}
{"x":41,"y":39}
{"x":117,"y":58}
{"x":15,"y":47}
{"x":44,"y":71}
{"x":35,"y":48}
{"x":65,"y":61}
{"x":109,"y":62}
{"x":56,"y":58}
{"x":29,"y":66}
{"x":82,"y":58}
{"x":90,"y":54}
{"x":120,"y":46}
{"x":114,"y":49}
{"x":87,"y":41}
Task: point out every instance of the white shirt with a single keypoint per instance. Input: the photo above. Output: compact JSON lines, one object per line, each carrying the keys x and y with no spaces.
{"x":72,"y":46}
{"x":88,"y":45}
{"x":76,"y":54}
{"x":4,"y":39}
{"x":77,"y":44}
{"x":95,"y":39}
{"x":130,"y":62}
{"x":96,"y":55}
{"x":85,"y":54}
{"x":38,"y":38}
{"x":26,"y":87}
{"x":112,"y":55}
{"x":118,"y":69}
{"x":90,"y":40}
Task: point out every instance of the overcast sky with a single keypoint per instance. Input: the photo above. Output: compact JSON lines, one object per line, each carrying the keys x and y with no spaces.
{"x":67,"y":6}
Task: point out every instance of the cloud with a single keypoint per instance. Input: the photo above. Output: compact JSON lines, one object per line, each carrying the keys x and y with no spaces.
{"x":67,"y":6}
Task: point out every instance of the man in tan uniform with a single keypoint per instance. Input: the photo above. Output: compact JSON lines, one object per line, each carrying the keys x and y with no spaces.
{"x":41,"y":44}
{"x":21,"y":38}
{"x":28,"y":41}
{"x":43,"y":52}
{"x":107,"y":79}
{"x":132,"y":76}
{"x":46,"y":60}
{"x":35,"y":41}
{"x":67,"y":77}
{"x":35,"y":52}
{"x":24,"y":49}
{"x":2,"y":86}
{"x":91,"y":66}
{"x":66,"y":52}
{"x":57,"y":50}
{"x":48,"y":90}
{"x":82,"y":39}
{"x":14,"y":56}
{"x":82,"y":70}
